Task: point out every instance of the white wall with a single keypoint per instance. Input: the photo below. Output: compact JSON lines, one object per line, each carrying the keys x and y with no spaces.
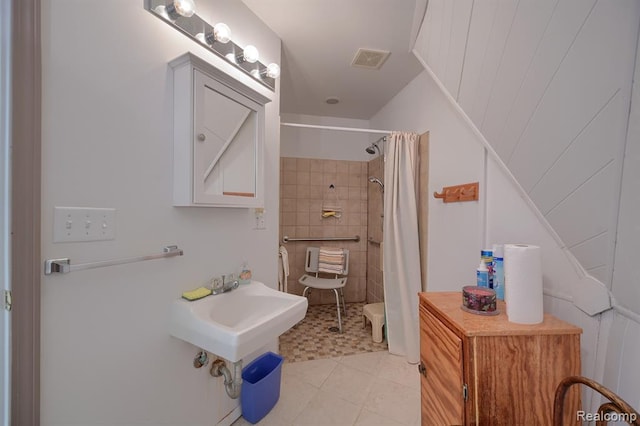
{"x":107,"y":142}
{"x":458,"y":231}
{"x":623,"y":346}
{"x":548,"y":84}
{"x":325,"y":144}
{"x":545,"y":88}
{"x":455,"y":157}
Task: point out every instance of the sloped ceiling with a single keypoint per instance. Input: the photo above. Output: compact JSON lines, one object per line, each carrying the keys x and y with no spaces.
{"x":548,"y":84}
{"x":320,"y":39}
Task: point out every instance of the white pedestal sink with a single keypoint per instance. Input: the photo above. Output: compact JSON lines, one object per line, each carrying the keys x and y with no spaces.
{"x":236,"y":323}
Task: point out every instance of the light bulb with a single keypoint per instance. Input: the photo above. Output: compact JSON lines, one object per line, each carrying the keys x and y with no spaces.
{"x":179,"y":8}
{"x":222,"y":32}
{"x":185,"y":8}
{"x":201,"y":38}
{"x":273,"y":70}
{"x":250,"y":54}
{"x":162,"y":11}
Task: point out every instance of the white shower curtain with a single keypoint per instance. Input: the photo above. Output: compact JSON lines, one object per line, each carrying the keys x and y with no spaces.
{"x":402,"y":276}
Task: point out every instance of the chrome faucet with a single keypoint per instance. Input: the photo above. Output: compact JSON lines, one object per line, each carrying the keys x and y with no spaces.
{"x":219,"y":286}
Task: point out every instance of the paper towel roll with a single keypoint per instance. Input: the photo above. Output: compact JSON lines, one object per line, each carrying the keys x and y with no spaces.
{"x":523,"y":283}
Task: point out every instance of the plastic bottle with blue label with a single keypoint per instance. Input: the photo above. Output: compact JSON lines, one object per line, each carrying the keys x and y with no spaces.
{"x":482,"y":275}
{"x":498,"y":271}
{"x":487,"y":257}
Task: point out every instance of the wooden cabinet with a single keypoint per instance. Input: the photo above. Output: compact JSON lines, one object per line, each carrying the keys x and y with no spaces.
{"x":485,"y":370}
{"x":218,"y":137}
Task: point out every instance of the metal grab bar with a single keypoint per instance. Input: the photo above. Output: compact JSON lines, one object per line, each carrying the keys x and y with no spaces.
{"x":372,"y":241}
{"x":286,"y":239}
{"x":64,"y":265}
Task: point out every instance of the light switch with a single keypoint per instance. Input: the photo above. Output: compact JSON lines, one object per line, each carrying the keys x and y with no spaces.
{"x":260,"y":221}
{"x":73,"y":224}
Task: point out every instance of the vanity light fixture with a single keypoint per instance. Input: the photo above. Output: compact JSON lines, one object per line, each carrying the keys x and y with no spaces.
{"x":181,"y":15}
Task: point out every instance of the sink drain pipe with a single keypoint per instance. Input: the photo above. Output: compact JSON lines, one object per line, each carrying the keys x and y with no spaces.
{"x":232,"y":384}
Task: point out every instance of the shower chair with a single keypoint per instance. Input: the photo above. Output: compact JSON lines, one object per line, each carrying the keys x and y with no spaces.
{"x":313,"y":280}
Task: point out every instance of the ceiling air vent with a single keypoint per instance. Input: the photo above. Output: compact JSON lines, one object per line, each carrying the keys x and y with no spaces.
{"x":371,"y":59}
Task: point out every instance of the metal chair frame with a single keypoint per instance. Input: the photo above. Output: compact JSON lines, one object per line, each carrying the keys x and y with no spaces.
{"x":316,"y":282}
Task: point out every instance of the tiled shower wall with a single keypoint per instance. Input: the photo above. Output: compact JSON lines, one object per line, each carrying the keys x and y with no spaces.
{"x":375,"y":291}
{"x":304,"y":189}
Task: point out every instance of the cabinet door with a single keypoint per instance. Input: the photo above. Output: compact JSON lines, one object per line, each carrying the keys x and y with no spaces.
{"x":441,"y":383}
{"x":226,"y":146}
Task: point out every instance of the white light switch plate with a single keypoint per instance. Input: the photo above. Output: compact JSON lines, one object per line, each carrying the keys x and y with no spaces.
{"x":260,"y":220}
{"x":72,"y":224}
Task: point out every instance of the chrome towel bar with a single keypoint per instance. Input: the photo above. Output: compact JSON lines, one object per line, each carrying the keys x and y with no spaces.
{"x":286,"y":239}
{"x":64,"y":265}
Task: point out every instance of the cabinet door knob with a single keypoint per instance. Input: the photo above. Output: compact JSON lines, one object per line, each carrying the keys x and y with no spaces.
{"x":422,"y":369}
{"x":202,"y":137}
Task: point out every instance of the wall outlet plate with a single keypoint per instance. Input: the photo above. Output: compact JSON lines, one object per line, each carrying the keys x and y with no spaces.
{"x":75,"y":224}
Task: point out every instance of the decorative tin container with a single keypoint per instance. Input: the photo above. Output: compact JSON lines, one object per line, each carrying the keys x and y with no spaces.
{"x":479,"y":300}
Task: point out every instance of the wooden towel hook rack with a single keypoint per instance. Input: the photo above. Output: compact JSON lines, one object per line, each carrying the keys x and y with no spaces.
{"x":464,"y":192}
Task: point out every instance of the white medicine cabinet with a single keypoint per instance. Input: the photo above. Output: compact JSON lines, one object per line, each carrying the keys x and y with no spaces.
{"x":218,"y":137}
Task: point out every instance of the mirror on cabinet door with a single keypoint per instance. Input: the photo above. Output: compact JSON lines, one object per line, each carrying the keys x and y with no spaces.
{"x":218,"y":137}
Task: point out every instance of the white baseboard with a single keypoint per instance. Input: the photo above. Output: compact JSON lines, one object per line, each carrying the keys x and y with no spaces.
{"x":231,"y":417}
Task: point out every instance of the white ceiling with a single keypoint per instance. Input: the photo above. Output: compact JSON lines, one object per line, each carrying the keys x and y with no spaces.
{"x":319,"y":41}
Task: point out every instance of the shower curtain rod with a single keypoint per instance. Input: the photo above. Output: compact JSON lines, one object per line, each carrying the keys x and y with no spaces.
{"x":344,"y":129}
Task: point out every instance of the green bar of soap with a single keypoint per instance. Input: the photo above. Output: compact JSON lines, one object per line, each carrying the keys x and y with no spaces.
{"x":196,"y":294}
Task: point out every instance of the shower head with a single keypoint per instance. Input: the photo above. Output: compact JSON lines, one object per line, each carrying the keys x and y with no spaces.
{"x":373,"y":148}
{"x":374,"y":179}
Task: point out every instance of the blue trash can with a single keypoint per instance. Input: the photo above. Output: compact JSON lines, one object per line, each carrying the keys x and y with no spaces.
{"x":260,"y":386}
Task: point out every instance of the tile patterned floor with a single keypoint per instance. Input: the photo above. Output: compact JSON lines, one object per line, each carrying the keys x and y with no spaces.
{"x":311,"y":338}
{"x":372,"y":388}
